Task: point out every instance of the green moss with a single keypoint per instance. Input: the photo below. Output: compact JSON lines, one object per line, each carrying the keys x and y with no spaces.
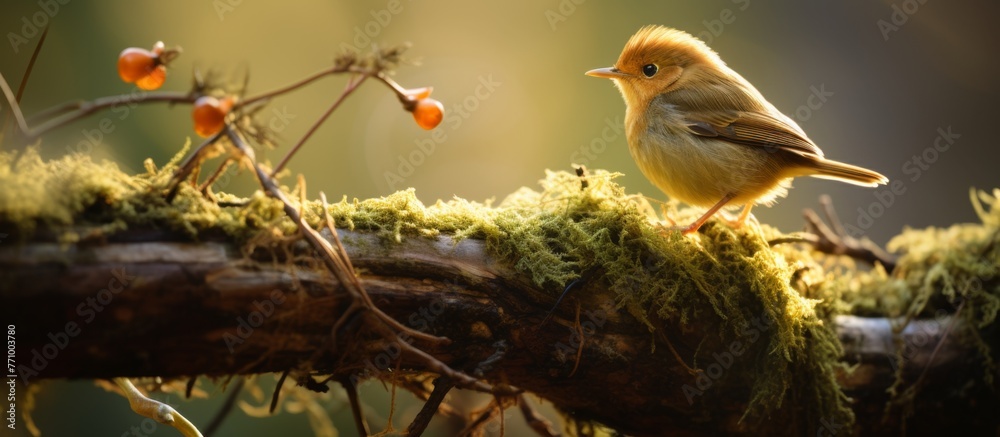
{"x":939,"y":271}
{"x":718,"y":277}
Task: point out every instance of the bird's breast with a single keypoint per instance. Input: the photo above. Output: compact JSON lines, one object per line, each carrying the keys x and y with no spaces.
{"x":696,"y":170}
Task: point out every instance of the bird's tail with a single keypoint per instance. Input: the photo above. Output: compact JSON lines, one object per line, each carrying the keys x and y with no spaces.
{"x":851,"y":174}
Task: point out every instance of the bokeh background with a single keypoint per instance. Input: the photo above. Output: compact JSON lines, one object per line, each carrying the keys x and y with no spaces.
{"x":898,"y":71}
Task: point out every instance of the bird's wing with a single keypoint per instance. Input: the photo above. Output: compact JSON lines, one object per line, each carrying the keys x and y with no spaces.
{"x":751,"y":129}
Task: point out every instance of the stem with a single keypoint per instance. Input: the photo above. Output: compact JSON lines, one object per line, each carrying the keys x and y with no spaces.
{"x":31,"y":64}
{"x":27,"y":74}
{"x":14,"y":107}
{"x":82,"y":108}
{"x":351,"y":86}
{"x":226,"y":408}
{"x":85,"y":108}
{"x":404,"y":98}
{"x":294,"y":86}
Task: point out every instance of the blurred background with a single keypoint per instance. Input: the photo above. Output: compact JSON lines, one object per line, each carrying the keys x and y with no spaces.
{"x":873,"y":83}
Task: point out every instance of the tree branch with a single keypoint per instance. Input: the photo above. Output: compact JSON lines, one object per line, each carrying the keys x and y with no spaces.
{"x":146,"y":304}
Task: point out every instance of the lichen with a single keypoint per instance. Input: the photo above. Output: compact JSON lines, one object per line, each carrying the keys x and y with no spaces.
{"x":719,"y":276}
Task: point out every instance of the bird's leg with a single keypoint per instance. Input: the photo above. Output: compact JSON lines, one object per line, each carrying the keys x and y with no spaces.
{"x":742,"y":218}
{"x":693,"y":227}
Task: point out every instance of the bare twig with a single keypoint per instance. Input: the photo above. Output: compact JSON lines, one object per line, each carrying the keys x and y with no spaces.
{"x":352,"y":396}
{"x":482,"y":417}
{"x":31,"y":64}
{"x":937,"y":347}
{"x":277,"y":391}
{"x":296,"y":85}
{"x":27,"y":75}
{"x":190,"y":165}
{"x":836,"y":241}
{"x":351,"y":86}
{"x":225,"y":409}
{"x":441,"y":388}
{"x":579,"y":332}
{"x":536,"y":421}
{"x":85,"y":108}
{"x":67,"y":112}
{"x":15,"y":108}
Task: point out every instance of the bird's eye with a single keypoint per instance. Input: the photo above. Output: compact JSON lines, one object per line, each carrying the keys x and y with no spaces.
{"x":649,"y":69}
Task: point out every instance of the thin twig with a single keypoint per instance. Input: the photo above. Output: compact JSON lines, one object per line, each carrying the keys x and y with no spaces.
{"x":836,"y":241}
{"x":225,"y":409}
{"x":677,"y":356}
{"x":579,"y":350}
{"x":31,"y":64}
{"x":27,"y":75}
{"x":352,"y":396}
{"x":351,"y":86}
{"x":205,"y":186}
{"x":536,"y":421}
{"x":442,"y":385}
{"x":189,"y":387}
{"x":15,"y":108}
{"x":277,"y":391}
{"x":296,"y":85}
{"x":188,"y":167}
{"x":74,"y":110}
{"x":85,"y":108}
{"x":937,"y":347}
{"x":484,"y":417}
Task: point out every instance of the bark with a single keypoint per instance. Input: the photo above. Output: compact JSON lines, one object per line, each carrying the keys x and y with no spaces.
{"x":150,"y":304}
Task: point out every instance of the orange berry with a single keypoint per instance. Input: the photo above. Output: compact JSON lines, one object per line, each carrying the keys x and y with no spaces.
{"x":135,"y":63}
{"x":209,"y":114}
{"x":154,"y":80}
{"x":428,"y":113}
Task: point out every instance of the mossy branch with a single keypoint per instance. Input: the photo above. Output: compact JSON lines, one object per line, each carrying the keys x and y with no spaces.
{"x":715,"y":333}
{"x":186,"y":304}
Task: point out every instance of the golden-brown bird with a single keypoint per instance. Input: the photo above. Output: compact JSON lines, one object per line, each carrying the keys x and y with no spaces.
{"x":704,"y":135}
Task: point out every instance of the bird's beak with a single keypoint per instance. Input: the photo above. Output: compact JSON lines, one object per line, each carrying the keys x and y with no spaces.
{"x":608,"y":73}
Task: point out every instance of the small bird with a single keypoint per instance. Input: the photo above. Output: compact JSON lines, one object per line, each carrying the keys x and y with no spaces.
{"x":704,"y":135}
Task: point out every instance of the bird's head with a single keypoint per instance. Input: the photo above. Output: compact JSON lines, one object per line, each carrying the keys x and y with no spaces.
{"x":656,"y":60}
